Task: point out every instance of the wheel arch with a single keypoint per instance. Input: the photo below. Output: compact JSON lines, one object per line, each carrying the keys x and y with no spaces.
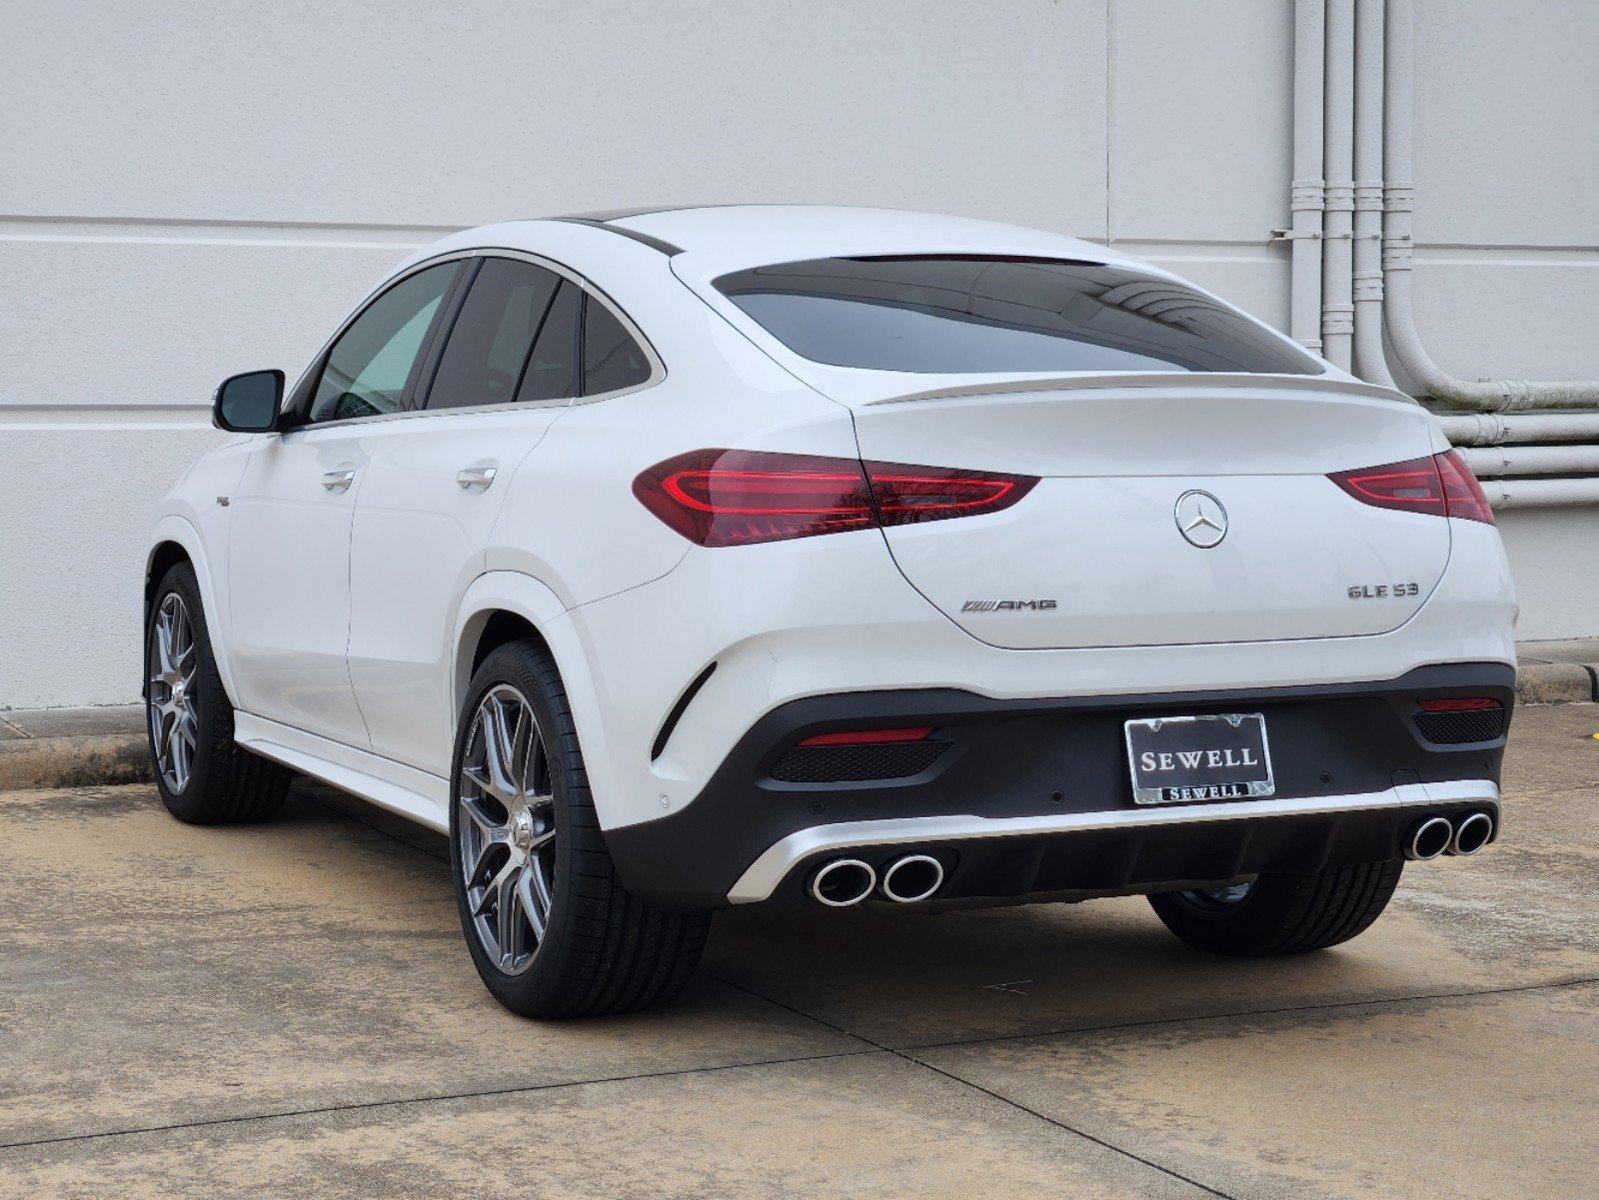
{"x":503,"y":606}
{"x":175,"y":540}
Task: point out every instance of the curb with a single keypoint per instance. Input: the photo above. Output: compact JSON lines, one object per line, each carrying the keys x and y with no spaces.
{"x":1557,"y":683}
{"x":64,"y":762}
{"x":101,"y":759}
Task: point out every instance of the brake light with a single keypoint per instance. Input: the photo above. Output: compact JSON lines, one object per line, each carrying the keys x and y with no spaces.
{"x":1459,"y":704}
{"x":1441,"y":485}
{"x":868,"y":737}
{"x":741,"y":497}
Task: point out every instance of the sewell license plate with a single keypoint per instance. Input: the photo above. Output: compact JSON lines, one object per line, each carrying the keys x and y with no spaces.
{"x":1179,"y":760}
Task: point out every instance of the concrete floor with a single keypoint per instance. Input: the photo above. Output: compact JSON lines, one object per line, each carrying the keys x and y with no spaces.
{"x":286,"y":1010}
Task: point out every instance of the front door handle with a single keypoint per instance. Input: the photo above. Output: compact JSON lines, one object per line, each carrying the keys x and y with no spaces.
{"x":340,"y":480}
{"x":475,"y":477}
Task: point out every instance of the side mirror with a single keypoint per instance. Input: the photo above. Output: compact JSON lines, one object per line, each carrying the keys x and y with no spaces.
{"x":248,"y":403}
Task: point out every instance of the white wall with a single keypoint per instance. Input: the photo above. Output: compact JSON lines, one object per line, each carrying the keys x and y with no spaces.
{"x":188,"y":190}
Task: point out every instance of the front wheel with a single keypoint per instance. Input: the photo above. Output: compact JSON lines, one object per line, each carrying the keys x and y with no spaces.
{"x":551,"y":929}
{"x":1277,"y":914}
{"x":203,"y":775}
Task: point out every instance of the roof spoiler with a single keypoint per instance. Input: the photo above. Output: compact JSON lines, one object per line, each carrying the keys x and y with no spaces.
{"x":1154,"y":380}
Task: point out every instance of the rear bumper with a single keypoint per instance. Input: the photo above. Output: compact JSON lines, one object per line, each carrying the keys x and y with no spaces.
{"x":1117,"y":850}
{"x":1032,"y":796}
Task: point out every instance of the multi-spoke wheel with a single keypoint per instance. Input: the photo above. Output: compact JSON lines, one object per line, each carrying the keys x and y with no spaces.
{"x":173,"y":727}
{"x":507,"y":821}
{"x":1277,"y":913}
{"x":202,"y":775}
{"x":552,"y":930}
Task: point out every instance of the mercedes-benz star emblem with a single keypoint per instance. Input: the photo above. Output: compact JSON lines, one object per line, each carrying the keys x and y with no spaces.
{"x":1201,"y":519}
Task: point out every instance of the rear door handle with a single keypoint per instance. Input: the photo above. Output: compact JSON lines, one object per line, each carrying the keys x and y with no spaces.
{"x":475,"y":477}
{"x":339,"y":481}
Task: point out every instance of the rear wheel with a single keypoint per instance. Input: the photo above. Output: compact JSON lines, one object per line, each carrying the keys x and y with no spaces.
{"x":1277,"y":914}
{"x":203,"y":775}
{"x":552,"y":931}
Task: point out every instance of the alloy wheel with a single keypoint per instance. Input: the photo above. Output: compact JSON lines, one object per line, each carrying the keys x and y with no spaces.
{"x":506,"y":824}
{"x":1213,"y":902}
{"x":171,"y":661}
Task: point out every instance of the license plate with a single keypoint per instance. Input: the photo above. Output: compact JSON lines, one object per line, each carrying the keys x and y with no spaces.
{"x":1184,"y":760}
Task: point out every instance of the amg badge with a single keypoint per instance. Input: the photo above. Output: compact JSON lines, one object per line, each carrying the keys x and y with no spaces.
{"x":1007,"y":605}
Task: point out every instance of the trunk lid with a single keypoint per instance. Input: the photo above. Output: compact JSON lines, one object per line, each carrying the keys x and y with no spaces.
{"x":1096,"y":555}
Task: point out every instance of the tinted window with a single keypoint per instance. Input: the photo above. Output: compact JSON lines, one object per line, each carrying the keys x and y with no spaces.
{"x":552,"y":370}
{"x":489,"y":344}
{"x":960,"y":313}
{"x":611,"y":358}
{"x":369,"y":365}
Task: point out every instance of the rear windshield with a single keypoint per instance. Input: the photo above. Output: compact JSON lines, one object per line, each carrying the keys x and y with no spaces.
{"x":963,"y":313}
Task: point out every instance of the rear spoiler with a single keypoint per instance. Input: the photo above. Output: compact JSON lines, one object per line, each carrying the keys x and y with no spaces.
{"x":1154,"y":380}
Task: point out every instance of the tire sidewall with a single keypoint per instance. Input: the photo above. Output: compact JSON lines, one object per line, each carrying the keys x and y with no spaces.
{"x":519,"y":665}
{"x":214,"y":710}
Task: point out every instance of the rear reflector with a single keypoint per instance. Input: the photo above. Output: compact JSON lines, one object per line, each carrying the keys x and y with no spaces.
{"x":1458,"y":704}
{"x":740,"y":497}
{"x":867,"y":737}
{"x":1442,"y":486}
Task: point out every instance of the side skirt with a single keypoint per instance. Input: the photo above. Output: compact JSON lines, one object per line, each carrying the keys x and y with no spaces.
{"x":404,"y":790}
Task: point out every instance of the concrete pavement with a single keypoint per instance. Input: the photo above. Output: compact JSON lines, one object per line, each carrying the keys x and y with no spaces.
{"x":286,"y":1010}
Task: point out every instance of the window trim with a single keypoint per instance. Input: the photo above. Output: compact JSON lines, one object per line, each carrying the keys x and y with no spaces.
{"x":433,"y":347}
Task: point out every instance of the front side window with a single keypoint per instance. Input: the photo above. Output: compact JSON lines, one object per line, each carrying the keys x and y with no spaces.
{"x":369,"y":366}
{"x":989,"y":314}
{"x":490,"y":344}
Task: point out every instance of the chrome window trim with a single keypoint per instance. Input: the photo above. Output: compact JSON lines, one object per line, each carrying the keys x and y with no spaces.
{"x":762,"y":876}
{"x":657,"y":366}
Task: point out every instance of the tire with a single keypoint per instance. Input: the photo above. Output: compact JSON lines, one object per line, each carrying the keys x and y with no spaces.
{"x":600,"y":949}
{"x":1282,"y":914}
{"x":221,"y":782}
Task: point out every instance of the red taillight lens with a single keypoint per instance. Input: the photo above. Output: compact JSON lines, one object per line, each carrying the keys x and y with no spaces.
{"x":1459,"y":704}
{"x":868,"y":737}
{"x":739,"y":497}
{"x":1441,"y":485}
{"x":1462,"y":493}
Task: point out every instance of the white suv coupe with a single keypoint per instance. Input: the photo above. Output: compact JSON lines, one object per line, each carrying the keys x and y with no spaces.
{"x":682,"y":558}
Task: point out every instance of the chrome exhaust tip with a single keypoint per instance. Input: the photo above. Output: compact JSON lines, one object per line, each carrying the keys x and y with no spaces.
{"x":912,"y":878}
{"x":1429,"y":839}
{"x":1474,"y":831}
{"x":842,"y":882}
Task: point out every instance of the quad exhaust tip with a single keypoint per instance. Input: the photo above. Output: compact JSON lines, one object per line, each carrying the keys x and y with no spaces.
{"x":843,"y":882}
{"x":1430,"y":838}
{"x":913,"y":878}
{"x":1471,"y":834}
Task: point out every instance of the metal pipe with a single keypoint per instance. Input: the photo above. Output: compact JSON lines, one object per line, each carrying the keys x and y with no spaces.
{"x":1429,"y":838}
{"x":1472,"y":833}
{"x":1337,"y":256}
{"x":1492,"y":429}
{"x":912,"y":879}
{"x":843,"y":882}
{"x":1307,"y":193}
{"x":1540,"y":493}
{"x":1499,"y":461}
{"x":1496,"y":395}
{"x":1370,"y":363}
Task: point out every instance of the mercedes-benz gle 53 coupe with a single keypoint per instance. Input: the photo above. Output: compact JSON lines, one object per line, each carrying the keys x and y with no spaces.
{"x":683,"y":558}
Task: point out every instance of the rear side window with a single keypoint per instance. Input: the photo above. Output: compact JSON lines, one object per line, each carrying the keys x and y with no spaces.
{"x":368,"y":367}
{"x":552,"y":369}
{"x":490,"y":344}
{"x":981,"y":314}
{"x":611,"y":358}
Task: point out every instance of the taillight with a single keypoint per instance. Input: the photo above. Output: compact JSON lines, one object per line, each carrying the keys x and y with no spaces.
{"x":739,"y":497}
{"x":1441,"y":485}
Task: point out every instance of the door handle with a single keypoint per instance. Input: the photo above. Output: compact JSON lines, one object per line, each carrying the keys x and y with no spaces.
{"x":475,"y":477}
{"x":339,"y":481}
